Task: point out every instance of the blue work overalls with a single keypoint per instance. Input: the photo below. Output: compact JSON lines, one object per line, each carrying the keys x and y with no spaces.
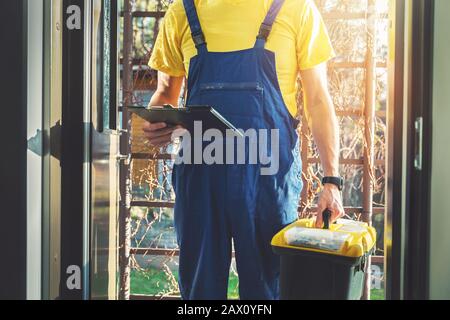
{"x":216,"y":204}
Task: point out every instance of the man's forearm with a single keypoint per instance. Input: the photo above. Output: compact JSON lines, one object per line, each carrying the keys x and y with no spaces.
{"x":159,"y":99}
{"x":168,"y":90}
{"x":324,"y":126}
{"x":325,"y":130}
{"x":322,"y":118}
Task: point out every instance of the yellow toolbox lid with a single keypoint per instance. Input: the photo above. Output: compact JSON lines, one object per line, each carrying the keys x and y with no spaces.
{"x":346,"y":238}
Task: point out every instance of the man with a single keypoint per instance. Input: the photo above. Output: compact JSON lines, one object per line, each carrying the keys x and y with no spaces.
{"x":243,"y":57}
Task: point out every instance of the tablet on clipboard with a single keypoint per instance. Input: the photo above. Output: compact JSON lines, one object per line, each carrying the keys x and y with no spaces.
{"x":185,"y":117}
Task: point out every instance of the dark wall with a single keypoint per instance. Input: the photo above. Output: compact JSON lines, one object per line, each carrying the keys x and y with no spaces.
{"x":13,"y":146}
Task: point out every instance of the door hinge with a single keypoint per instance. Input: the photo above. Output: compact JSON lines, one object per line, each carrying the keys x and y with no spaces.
{"x":125,"y":158}
{"x":35,"y":143}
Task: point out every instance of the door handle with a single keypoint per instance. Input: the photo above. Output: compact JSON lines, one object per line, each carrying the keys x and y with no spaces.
{"x":418,"y":144}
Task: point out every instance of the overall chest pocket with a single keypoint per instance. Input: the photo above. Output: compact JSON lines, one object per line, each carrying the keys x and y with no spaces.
{"x":233,"y":99}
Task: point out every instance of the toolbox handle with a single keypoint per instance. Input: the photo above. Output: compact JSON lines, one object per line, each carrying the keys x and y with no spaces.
{"x":326,"y":216}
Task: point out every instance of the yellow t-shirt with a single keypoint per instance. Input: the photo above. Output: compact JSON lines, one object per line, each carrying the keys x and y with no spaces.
{"x":299,"y":37}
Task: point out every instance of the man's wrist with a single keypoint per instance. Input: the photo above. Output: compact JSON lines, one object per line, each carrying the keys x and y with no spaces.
{"x":331,"y":186}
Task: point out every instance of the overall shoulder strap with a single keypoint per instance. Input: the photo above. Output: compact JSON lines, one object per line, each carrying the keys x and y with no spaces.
{"x":266,"y":26}
{"x":194,"y":23}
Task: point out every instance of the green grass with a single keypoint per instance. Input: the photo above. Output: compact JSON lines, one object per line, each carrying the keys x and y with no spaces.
{"x":377,"y":294}
{"x":154,"y":282}
{"x":149,"y":282}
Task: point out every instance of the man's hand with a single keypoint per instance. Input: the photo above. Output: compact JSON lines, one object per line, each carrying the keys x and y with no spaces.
{"x":331,"y":199}
{"x":167,"y":92}
{"x":159,"y":134}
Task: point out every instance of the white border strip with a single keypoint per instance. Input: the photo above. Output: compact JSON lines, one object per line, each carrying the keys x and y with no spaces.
{"x":35,"y":17}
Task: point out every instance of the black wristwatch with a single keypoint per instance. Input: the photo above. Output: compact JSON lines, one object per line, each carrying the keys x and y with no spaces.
{"x":337,"y":181}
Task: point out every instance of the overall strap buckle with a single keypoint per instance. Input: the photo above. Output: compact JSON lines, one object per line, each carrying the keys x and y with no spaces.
{"x":266,"y":26}
{"x":194,"y":24}
{"x":199,"y":39}
{"x":264,"y":31}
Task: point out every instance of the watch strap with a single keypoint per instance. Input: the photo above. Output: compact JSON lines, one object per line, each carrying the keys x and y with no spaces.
{"x":337,"y":181}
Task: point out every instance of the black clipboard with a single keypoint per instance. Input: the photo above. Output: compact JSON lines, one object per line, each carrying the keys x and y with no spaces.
{"x":185,"y":117}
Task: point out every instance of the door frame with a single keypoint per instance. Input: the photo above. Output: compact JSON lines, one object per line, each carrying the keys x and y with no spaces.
{"x":408,"y":188}
{"x":418,"y":174}
{"x":75,"y":159}
{"x":394,"y":223}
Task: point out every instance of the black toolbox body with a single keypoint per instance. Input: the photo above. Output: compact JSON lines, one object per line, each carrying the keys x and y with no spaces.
{"x":307,"y":275}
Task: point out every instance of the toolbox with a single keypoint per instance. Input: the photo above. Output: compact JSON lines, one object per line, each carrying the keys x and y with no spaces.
{"x":323,"y":264}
